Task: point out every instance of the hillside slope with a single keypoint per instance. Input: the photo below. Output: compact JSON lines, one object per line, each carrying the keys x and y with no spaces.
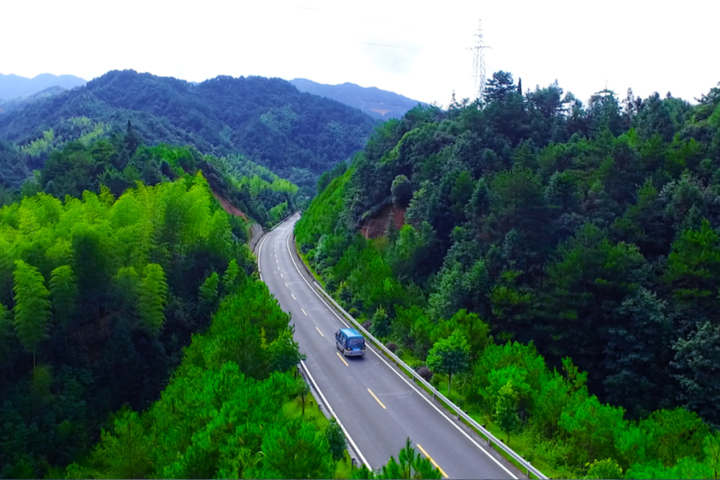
{"x":19,"y":103}
{"x":297,"y":135}
{"x":589,"y":233}
{"x":377,"y":103}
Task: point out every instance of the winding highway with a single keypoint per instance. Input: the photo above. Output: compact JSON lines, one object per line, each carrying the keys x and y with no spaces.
{"x":376,"y":403}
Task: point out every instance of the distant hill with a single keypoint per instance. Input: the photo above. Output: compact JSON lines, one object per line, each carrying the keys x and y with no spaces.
{"x":296,"y":135}
{"x":377,"y":103}
{"x":14,"y":86}
{"x":19,"y":103}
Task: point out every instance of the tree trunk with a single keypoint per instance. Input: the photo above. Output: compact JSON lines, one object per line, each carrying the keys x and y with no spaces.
{"x":449,"y":382}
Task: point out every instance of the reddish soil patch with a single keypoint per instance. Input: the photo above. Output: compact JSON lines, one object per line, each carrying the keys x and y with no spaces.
{"x":375,"y":227}
{"x":229,"y":207}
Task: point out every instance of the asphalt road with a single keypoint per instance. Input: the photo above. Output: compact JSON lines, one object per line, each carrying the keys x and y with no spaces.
{"x":376,"y":403}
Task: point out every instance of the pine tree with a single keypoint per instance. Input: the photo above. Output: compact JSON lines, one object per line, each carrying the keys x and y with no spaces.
{"x":153,"y":297}
{"x":64,"y":292}
{"x":5,"y":335}
{"x":32,"y":307}
{"x":230,"y":277}
{"x":209,"y":289}
{"x":336,"y":439}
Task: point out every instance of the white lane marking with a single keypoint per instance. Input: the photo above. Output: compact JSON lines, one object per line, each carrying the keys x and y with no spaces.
{"x":293,"y":295}
{"x":304,"y":311}
{"x":286,"y":285}
{"x":317,"y":389}
{"x":404,"y":379}
{"x":262,"y":243}
{"x":321,"y":333}
{"x":281,"y":275}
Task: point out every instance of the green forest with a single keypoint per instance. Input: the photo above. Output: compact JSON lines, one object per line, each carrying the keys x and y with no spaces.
{"x":267,"y":120}
{"x":552,"y":266}
{"x":136,"y":339}
{"x":557,"y":269}
{"x":121,"y":160}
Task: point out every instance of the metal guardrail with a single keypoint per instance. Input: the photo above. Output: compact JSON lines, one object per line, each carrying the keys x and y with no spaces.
{"x":458,"y":411}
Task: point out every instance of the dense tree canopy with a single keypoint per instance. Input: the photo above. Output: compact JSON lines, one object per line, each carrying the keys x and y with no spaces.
{"x":590,"y":230}
{"x":98,"y":298}
{"x":297,"y":135}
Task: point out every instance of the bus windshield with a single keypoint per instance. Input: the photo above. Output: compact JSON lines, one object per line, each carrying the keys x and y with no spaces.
{"x":355,"y":342}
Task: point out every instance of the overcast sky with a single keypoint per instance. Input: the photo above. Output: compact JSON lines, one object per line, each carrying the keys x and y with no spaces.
{"x":418,"y":49}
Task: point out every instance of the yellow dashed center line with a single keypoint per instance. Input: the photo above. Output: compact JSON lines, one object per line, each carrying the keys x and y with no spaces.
{"x":304,"y":311}
{"x":432,"y":461}
{"x":321,"y":333}
{"x":342,"y":359}
{"x":377,"y":399}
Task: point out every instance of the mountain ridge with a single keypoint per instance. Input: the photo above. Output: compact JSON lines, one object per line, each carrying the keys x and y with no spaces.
{"x":15,"y":86}
{"x":298,"y":135}
{"x":378,"y":103}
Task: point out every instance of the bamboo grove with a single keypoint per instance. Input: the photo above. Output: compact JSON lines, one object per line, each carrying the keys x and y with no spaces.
{"x":135,"y":338}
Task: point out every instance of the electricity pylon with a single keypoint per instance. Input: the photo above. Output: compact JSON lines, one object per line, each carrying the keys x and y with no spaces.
{"x":479,"y":62}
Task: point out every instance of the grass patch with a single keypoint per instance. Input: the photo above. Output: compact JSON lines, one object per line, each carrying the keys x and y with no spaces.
{"x":521,"y":443}
{"x":293,"y":409}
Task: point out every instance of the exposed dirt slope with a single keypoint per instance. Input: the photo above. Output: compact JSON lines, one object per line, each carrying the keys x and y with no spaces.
{"x":229,"y":207}
{"x":375,"y":227}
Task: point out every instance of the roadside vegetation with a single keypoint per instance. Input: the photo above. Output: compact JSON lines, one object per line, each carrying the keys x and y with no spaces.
{"x":556,"y":269}
{"x":135,"y":338}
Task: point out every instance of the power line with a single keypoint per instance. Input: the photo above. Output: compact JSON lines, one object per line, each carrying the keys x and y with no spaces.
{"x":391,"y":46}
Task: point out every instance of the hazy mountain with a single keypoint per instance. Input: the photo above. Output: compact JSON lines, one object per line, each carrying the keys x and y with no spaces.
{"x":295,"y":134}
{"x":377,"y":103}
{"x":14,"y":86}
{"x":18,"y":103}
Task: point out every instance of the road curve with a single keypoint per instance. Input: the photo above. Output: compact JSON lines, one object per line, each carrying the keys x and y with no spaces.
{"x":376,"y":403}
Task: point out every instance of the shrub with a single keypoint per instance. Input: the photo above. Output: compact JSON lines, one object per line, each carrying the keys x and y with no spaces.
{"x":607,"y":468}
{"x":391,"y":346}
{"x":425,"y":373}
{"x":415,"y":364}
{"x":380,"y":323}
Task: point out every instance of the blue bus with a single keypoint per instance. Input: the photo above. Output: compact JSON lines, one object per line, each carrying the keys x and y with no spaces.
{"x":350,"y":342}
